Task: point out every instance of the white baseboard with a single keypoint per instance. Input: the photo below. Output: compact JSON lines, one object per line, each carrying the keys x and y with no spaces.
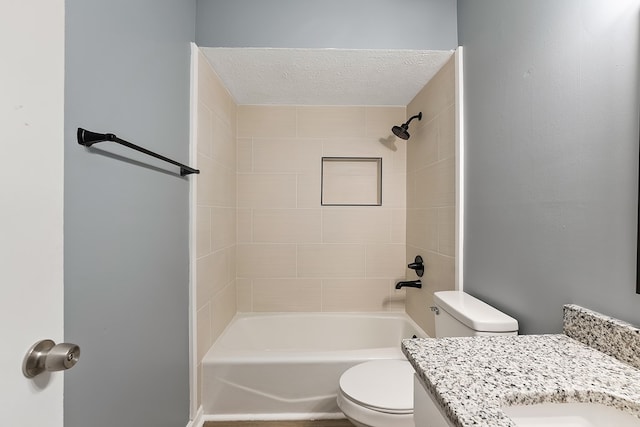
{"x":198,"y":420}
{"x":294,"y":416}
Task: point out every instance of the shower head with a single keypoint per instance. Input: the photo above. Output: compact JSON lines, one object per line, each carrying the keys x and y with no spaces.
{"x":402,"y":131}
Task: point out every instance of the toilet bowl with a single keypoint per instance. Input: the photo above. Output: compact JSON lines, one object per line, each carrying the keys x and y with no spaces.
{"x":379,"y":393}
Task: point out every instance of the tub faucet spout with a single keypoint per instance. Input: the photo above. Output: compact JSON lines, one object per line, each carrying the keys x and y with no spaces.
{"x":410,"y":284}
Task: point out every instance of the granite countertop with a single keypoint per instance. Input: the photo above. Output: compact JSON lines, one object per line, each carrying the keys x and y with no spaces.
{"x":473,"y":377}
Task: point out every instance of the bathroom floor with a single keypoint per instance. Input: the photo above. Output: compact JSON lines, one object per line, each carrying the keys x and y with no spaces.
{"x":303,"y":423}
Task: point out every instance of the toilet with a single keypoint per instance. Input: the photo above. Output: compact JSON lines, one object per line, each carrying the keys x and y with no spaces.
{"x":379,"y":393}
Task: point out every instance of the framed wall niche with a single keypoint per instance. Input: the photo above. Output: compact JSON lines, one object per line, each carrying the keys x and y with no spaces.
{"x":351,"y":181}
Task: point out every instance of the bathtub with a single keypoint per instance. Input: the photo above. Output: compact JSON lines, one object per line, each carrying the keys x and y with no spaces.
{"x":287,"y":366}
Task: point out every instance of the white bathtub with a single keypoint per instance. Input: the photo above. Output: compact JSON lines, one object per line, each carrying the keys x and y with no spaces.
{"x":287,"y":366}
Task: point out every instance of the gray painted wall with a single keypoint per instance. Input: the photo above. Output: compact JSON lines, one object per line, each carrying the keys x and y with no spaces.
{"x":552,"y":156}
{"x":126,"y":225}
{"x":346,"y":24}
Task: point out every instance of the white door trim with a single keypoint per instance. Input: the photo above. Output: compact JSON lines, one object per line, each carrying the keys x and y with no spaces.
{"x":460,"y":167}
{"x":193,"y":200}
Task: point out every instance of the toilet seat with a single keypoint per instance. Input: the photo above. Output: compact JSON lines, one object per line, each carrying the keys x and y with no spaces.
{"x":381,"y":385}
{"x":378,"y":393}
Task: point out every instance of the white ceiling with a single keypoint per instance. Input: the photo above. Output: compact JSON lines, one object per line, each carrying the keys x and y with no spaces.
{"x":257,"y":76}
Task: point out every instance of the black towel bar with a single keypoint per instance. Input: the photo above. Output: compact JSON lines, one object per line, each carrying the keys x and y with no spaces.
{"x":88,"y":138}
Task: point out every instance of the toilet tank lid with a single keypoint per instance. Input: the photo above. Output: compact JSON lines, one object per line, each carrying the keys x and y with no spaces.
{"x":475,"y":314}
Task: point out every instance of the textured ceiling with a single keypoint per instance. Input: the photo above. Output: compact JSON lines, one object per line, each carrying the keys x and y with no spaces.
{"x":324,"y":76}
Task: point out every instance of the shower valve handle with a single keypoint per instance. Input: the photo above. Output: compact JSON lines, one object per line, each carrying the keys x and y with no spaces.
{"x":417,"y":265}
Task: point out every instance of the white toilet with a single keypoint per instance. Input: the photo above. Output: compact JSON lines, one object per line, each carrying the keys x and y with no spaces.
{"x":380,"y":393}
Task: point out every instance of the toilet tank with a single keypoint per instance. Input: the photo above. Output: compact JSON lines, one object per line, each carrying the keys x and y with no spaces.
{"x":461,"y":315}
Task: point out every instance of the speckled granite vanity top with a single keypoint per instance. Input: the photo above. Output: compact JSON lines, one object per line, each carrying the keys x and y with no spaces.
{"x":596,"y":360}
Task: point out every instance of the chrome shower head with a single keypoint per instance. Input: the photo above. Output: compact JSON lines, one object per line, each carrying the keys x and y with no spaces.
{"x":402,"y":131}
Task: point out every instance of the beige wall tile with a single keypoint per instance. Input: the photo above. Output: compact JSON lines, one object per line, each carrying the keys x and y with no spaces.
{"x":447,"y":231}
{"x":431,"y":194}
{"x":232,"y":263}
{"x":203,"y":231}
{"x":208,"y":88}
{"x":328,"y":260}
{"x":224,"y":142}
{"x":213,"y":93}
{"x":216,"y":183}
{"x":412,"y":188}
{"x":205,"y":130}
{"x":287,"y":155}
{"x":422,"y":229}
{"x":244,"y":226}
{"x":267,"y":191}
{"x":356,"y":225}
{"x":385,"y":260}
{"x":435,"y":184}
{"x":203,"y":316}
{"x":355,"y":294}
{"x":244,"y":296}
{"x":215,"y":270}
{"x":417,"y":305}
{"x":286,"y":295}
{"x":199,"y":381}
{"x":439,"y":275}
{"x":396,"y":297}
{"x":394,"y":189}
{"x":380,"y":120}
{"x":266,"y":260}
{"x":341,"y":146}
{"x":212,"y":275}
{"x":308,"y":191}
{"x":223,"y":226}
{"x":422,"y":148}
{"x":224,"y":308}
{"x":225,"y":187}
{"x":443,"y":87}
{"x":244,"y":159}
{"x":204,"y":180}
{"x":266,"y":121}
{"x":438,"y":94}
{"x":279,"y":219}
{"x":286,"y":226}
{"x":318,"y":122}
{"x":392,"y":152}
{"x":447,"y":132}
{"x":220,"y":189}
{"x":399,"y":226}
{"x":399,"y":151}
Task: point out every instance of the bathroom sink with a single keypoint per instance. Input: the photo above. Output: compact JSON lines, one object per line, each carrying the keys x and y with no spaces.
{"x":570,"y":415}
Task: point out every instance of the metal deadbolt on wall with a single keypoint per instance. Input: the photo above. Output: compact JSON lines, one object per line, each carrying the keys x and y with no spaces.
{"x":46,"y":355}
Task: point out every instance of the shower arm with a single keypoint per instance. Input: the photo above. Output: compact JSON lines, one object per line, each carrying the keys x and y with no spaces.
{"x":417,"y":116}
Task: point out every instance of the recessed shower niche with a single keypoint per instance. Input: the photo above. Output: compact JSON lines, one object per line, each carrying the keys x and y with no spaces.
{"x":351,"y":181}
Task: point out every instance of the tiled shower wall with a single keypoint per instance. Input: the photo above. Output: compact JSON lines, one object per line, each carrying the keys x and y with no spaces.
{"x":216,"y":209}
{"x":265,"y":243}
{"x":294,"y":254}
{"x":431,"y":193}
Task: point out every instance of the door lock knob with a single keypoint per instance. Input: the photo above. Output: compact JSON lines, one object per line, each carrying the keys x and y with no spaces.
{"x":46,"y":355}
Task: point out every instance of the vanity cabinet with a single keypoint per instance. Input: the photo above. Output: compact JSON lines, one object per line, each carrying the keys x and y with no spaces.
{"x":426,"y":411}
